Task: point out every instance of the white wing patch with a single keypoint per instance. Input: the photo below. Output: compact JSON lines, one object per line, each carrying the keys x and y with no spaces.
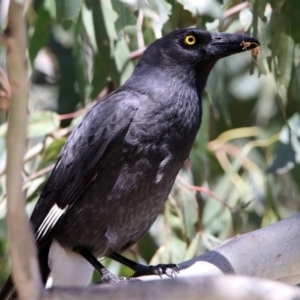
{"x":51,"y":219}
{"x":162,"y":165}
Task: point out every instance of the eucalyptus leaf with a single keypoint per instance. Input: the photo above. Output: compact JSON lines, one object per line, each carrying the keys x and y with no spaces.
{"x":81,"y":60}
{"x":204,"y":7}
{"x":68,"y":10}
{"x":192,"y":249}
{"x":32,"y":187}
{"x":123,"y":62}
{"x":285,"y":50}
{"x":264,"y":36}
{"x":287,"y":152}
{"x":3,"y":130}
{"x":125,"y":15}
{"x":87,"y":20}
{"x":188,"y":204}
{"x":53,"y":150}
{"x":162,"y":8}
{"x":176,"y":248}
{"x":40,"y":34}
{"x":105,"y":35}
{"x":41,"y":123}
{"x":276,"y":4}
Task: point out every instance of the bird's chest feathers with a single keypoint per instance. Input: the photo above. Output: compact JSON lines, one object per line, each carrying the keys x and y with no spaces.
{"x":173,"y":121}
{"x":161,"y":138}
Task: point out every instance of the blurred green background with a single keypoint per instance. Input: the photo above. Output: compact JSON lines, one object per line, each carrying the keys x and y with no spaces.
{"x":243,"y":171}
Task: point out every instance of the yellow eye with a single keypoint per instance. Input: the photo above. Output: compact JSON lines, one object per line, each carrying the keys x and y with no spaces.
{"x":190,"y":40}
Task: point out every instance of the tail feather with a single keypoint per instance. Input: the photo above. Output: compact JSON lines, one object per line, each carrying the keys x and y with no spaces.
{"x":43,"y":261}
{"x":9,"y":291}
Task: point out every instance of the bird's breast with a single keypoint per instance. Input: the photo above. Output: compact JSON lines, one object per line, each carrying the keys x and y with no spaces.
{"x":130,"y":189}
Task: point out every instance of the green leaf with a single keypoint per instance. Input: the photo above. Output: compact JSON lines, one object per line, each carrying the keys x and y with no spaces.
{"x":291,"y":11}
{"x":123,"y":62}
{"x":100,"y":77}
{"x":68,"y":10}
{"x":3,"y":130}
{"x":188,"y":204}
{"x":87,"y":20}
{"x":285,"y":63}
{"x":287,"y":153}
{"x":41,"y":123}
{"x":176,"y":249}
{"x":263,"y":34}
{"x":40,"y":34}
{"x":50,"y":6}
{"x":162,"y":9}
{"x":286,"y":15}
{"x":193,"y":247}
{"x":53,"y":150}
{"x":172,"y":252}
{"x":112,"y":59}
{"x":198,"y":155}
{"x":125,"y":15}
{"x":258,"y":7}
{"x":205,"y":7}
{"x":32,"y":187}
{"x":216,"y":218}
{"x":81,"y":61}
{"x":276,"y":4}
{"x":103,"y":18}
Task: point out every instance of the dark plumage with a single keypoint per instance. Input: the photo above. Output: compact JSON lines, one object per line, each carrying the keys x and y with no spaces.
{"x":118,"y":166}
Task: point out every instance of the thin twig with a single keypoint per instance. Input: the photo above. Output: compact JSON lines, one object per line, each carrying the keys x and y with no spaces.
{"x":235,"y":9}
{"x":72,"y":114}
{"x":137,"y":53}
{"x":139,"y":29}
{"x":40,"y":173}
{"x":202,"y":190}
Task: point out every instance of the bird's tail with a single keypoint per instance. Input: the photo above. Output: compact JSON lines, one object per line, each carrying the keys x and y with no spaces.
{"x":9,"y":291}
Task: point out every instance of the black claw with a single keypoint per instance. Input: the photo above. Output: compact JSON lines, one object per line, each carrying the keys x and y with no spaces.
{"x":141,"y":270}
{"x":170,"y":273}
{"x":168,"y":269}
{"x":159,"y":271}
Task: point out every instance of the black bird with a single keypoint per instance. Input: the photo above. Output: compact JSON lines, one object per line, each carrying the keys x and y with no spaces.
{"x":118,"y":166}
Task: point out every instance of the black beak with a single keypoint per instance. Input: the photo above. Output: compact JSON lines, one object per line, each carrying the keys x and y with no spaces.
{"x":225,"y":44}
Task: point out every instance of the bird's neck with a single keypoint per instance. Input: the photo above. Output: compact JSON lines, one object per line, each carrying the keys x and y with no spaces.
{"x":162,"y":81}
{"x":169,"y":76}
{"x":202,"y":71}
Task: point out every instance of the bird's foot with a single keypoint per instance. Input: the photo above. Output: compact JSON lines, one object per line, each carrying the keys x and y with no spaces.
{"x":171,"y":270}
{"x":110,"y":278}
{"x":141,"y":270}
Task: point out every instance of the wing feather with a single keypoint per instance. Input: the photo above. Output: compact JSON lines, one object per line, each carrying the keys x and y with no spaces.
{"x":85,"y":152}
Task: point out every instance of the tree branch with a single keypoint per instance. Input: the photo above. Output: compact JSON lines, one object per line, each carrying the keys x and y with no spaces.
{"x":202,"y":287}
{"x":271,"y":252}
{"x":23,"y":253}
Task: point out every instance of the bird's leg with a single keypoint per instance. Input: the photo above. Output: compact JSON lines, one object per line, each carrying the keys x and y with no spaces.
{"x":107,"y":276}
{"x":142,"y":270}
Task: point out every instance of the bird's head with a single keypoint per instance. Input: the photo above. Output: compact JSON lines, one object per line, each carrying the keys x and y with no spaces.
{"x":186,"y":56}
{"x":195,"y":47}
